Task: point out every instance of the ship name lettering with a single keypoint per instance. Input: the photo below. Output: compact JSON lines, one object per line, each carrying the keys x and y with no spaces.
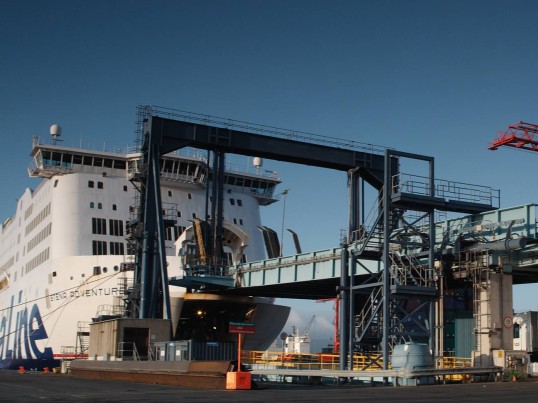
{"x":21,"y":328}
{"x":95,"y":292}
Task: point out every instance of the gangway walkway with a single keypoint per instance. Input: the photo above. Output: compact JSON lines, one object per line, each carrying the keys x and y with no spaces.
{"x":315,"y":275}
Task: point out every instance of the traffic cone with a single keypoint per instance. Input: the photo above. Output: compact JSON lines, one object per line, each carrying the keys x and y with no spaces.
{"x":21,"y":370}
{"x":46,"y":370}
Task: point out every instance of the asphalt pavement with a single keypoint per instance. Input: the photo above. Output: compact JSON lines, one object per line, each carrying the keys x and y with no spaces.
{"x":37,"y":387}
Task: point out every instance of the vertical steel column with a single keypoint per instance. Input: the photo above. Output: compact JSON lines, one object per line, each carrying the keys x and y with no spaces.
{"x":163,"y":311}
{"x":344,"y":305}
{"x":386,"y":260}
{"x":217,"y":249}
{"x":154,"y":276}
{"x":354,"y":222}
{"x":352,"y":267}
{"x":431,"y":259}
{"x":214,"y":209}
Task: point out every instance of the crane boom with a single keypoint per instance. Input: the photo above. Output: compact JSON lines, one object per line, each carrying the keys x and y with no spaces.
{"x":520,"y":135}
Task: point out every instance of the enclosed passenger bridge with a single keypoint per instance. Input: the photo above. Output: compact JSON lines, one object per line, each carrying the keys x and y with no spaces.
{"x":316,"y":275}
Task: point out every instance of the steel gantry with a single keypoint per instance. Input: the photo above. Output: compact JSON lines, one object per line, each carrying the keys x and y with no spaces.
{"x":395,"y":303}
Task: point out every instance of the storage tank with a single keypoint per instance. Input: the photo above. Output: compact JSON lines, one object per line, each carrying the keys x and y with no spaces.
{"x":413,"y":356}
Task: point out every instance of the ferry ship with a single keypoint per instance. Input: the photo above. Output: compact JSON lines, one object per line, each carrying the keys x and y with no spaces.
{"x":66,"y":258}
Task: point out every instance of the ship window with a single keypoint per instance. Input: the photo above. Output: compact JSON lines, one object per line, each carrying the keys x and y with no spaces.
{"x":77,"y":159}
{"x":53,"y":274}
{"x":125,"y":188}
{"x":119,"y":164}
{"x":248,"y":183}
{"x":189,"y":195}
{"x":232,"y":202}
{"x":235,"y":221}
{"x":56,"y":159}
{"x":169,"y":193}
{"x":56,"y":183}
{"x":239,"y":202}
{"x":239,"y":182}
{"x":91,"y":184}
{"x":97,"y":162}
{"x":99,"y":205}
{"x":193,"y":215}
{"x":105,"y":269}
{"x":114,"y":207}
{"x":241,"y":221}
{"x":98,"y":248}
{"x":87,"y":160}
{"x":115,"y":227}
{"x":116,"y":248}
{"x":92,"y":204}
{"x":107,"y":163}
{"x":516,"y":331}
{"x":99,"y":185}
{"x":99,"y":226}
{"x":179,"y":213}
{"x":116,"y":268}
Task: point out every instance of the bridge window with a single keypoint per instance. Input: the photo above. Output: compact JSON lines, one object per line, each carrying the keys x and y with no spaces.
{"x":120,"y":164}
{"x":108,"y":163}
{"x":77,"y":159}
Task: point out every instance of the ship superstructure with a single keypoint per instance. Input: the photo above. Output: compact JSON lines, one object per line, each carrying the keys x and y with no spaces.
{"x":66,"y":255}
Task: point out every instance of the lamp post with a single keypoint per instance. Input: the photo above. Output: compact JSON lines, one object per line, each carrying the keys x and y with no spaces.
{"x":284,"y":193}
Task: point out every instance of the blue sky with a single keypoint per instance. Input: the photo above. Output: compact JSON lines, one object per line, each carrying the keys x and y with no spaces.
{"x":439,"y":78}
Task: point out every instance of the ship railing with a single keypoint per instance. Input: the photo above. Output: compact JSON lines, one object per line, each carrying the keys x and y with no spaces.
{"x":202,"y":267}
{"x":306,"y":361}
{"x":448,"y":190}
{"x":331,"y":361}
{"x":127,"y":351}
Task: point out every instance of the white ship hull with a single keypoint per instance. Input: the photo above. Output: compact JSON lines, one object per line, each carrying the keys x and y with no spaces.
{"x":63,"y":254}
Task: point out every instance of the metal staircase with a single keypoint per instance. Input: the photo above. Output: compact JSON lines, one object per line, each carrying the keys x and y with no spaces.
{"x":83,"y":340}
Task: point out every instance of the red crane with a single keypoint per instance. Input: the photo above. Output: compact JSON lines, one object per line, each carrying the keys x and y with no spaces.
{"x":519,"y":135}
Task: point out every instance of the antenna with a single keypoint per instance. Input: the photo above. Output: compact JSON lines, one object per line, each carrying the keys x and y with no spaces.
{"x":55,"y":132}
